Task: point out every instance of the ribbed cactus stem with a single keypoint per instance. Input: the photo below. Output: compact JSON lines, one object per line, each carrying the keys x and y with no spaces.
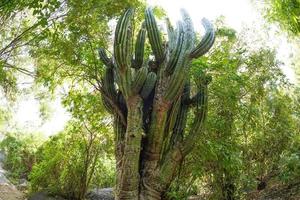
{"x":154,"y":35}
{"x":139,"y":79}
{"x":188,"y":29}
{"x":174,"y":57}
{"x":149,"y":97}
{"x":139,"y":47}
{"x":171,"y":34}
{"x":148,"y":85}
{"x":206,"y":42}
{"x":104,"y":58}
{"x":123,"y":39}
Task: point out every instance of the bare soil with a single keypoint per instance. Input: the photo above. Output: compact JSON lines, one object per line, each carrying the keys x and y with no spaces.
{"x":9,"y":192}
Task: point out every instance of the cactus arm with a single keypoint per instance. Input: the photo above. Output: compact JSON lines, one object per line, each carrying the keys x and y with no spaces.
{"x":148,"y":85}
{"x":181,"y":119}
{"x":170,"y":123}
{"x":154,"y":35}
{"x":104,"y":58}
{"x":174,"y":57}
{"x":108,"y":83}
{"x":123,"y":51}
{"x":139,"y":80}
{"x":179,"y":150}
{"x":206,"y":42}
{"x":177,"y":79}
{"x":198,"y":123}
{"x":194,"y":100}
{"x":123,"y":35}
{"x":112,"y":106}
{"x":139,"y":47}
{"x":171,"y":34}
{"x":179,"y":62}
{"x":107,"y":105}
{"x":188,"y":30}
{"x":109,"y":91}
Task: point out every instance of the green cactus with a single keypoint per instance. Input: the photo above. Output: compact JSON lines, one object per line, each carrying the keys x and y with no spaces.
{"x":174,"y":57}
{"x":108,"y":83}
{"x":206,"y":42}
{"x":104,"y":58}
{"x":154,"y":35}
{"x":139,"y":47}
{"x":148,"y":85}
{"x":139,"y":79}
{"x":150,"y":98}
{"x":171,"y":34}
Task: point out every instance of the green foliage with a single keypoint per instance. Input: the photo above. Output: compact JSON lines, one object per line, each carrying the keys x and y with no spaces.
{"x":289,"y":162}
{"x":67,"y":57}
{"x":252,"y":128}
{"x":70,"y":163}
{"x":7,"y":80}
{"x":250,"y":122}
{"x":80,"y":157}
{"x":286,"y":13}
{"x":20,"y":153}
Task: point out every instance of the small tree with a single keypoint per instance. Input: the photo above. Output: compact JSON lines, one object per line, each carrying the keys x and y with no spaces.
{"x":150,"y":100}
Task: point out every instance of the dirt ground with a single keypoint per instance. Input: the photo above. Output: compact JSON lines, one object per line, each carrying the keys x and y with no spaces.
{"x":8,"y":192}
{"x":277,"y":191}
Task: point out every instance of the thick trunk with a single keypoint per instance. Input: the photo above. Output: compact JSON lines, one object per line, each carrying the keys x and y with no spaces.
{"x":151,"y":183}
{"x":144,"y":100}
{"x":128,"y":185}
{"x":120,"y":131}
{"x":150,"y":195}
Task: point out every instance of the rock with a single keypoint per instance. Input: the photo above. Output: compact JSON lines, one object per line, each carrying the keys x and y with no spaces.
{"x":101,"y":194}
{"x":23,"y":184}
{"x":2,"y":156}
{"x":43,"y":196}
{"x":195,"y":197}
{"x":8,"y":192}
{"x":3,"y":179}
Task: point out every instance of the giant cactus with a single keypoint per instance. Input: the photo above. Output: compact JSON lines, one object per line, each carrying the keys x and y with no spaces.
{"x":150,"y":100}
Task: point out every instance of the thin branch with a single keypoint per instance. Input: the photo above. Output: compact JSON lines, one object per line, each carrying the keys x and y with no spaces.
{"x":22,"y":70}
{"x":19,"y":37}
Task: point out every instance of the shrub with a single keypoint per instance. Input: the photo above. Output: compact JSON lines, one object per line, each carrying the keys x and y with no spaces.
{"x":20,"y":153}
{"x":289,"y":165}
{"x":72,"y":162}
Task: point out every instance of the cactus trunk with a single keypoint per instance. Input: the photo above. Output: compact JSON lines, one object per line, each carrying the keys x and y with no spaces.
{"x":130,"y":177}
{"x":149,"y":99}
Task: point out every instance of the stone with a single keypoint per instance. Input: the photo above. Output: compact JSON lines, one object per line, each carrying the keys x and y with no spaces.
{"x":101,"y":194}
{"x":43,"y":196}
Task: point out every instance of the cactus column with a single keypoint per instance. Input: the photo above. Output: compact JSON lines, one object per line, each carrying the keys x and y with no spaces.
{"x":150,"y":99}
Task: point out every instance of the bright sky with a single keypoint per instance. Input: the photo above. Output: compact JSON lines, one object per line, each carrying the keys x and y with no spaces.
{"x":236,"y":11}
{"x":238,"y":14}
{"x":28,"y":117}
